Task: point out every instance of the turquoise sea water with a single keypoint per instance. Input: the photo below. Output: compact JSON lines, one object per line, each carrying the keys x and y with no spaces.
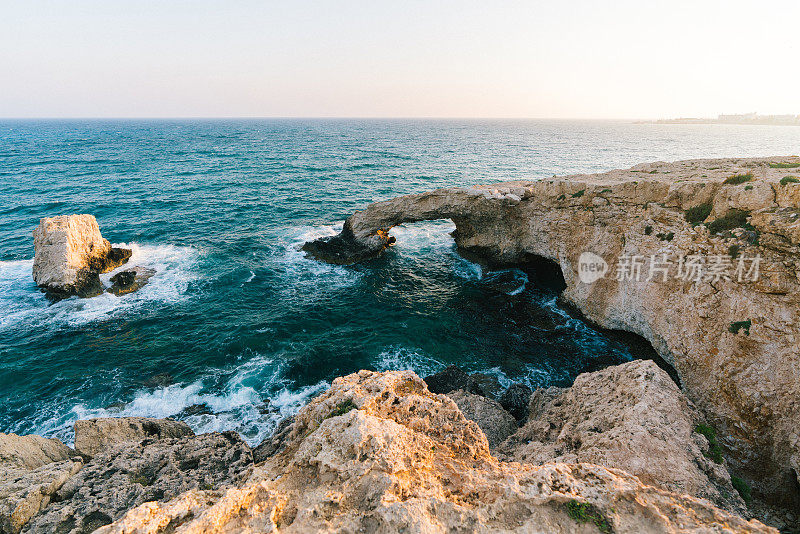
{"x":237,"y":317}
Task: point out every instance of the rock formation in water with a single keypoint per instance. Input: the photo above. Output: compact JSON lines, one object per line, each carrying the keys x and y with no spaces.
{"x":379,"y":452}
{"x":730,"y":333}
{"x":70,"y":254}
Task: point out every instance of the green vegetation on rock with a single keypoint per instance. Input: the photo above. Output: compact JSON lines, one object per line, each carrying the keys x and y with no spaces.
{"x":342,"y":408}
{"x":740,"y":325}
{"x":784,"y":165}
{"x":584,"y":512}
{"x":714,"y":450}
{"x":789,"y":180}
{"x":698,"y":214}
{"x":737,"y":179}
{"x":579,"y":194}
{"x":733,"y":219}
{"x":743,"y":488}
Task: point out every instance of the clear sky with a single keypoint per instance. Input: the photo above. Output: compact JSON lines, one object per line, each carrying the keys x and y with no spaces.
{"x":490,"y":58}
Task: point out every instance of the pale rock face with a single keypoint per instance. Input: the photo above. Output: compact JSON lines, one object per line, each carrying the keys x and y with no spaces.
{"x":632,"y":417}
{"x":93,"y":436}
{"x":131,"y":473}
{"x":69,"y":254}
{"x":379,"y":453}
{"x":495,"y":422}
{"x":32,"y":469}
{"x":746,"y":382}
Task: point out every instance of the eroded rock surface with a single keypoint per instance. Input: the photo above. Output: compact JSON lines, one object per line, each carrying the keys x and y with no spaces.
{"x":379,"y":453}
{"x":93,"y":436}
{"x":129,"y":474}
{"x":32,"y":469}
{"x":734,"y":344}
{"x":632,"y":417}
{"x":69,"y":255}
{"x":496,"y":423}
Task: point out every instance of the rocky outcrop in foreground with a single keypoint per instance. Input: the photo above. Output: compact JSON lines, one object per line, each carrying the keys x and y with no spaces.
{"x":730,"y":333}
{"x":70,"y":254}
{"x":379,"y":452}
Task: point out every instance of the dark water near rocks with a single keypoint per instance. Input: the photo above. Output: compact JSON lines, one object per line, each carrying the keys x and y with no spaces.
{"x":236,"y":316}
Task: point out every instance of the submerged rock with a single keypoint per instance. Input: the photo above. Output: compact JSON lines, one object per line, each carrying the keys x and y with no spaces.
{"x":130,"y":280}
{"x":732,"y":342}
{"x":93,"y":436}
{"x":70,"y":254}
{"x":129,"y":474}
{"x":379,"y":452}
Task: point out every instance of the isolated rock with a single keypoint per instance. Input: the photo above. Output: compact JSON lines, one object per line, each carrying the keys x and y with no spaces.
{"x":69,"y":255}
{"x":32,"y":469}
{"x":129,"y":474}
{"x":379,"y":453}
{"x":130,"y":280}
{"x":515,"y":400}
{"x":93,"y":436}
{"x":631,"y":417}
{"x":496,"y":423}
{"x":733,"y":344}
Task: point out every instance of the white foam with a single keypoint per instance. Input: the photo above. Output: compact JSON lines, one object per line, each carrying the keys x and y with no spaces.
{"x":22,"y":304}
{"x":235,"y":405}
{"x":304,"y":276}
{"x":397,"y":358}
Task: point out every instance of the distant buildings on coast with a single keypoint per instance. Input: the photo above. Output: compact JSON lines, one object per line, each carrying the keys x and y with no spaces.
{"x":741,"y":118}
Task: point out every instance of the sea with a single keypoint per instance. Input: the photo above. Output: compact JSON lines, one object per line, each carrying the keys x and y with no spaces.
{"x":238,"y":328}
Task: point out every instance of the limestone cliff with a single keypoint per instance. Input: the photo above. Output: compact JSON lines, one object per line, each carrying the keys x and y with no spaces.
{"x":730,"y":333}
{"x":379,"y":453}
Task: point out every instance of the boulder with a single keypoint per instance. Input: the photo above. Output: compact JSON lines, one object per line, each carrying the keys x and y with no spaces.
{"x":130,"y":280}
{"x":70,"y":254}
{"x":496,"y":423}
{"x":450,"y":379}
{"x":515,"y":400}
{"x":378,"y":452}
{"x":631,"y":417}
{"x":93,"y":436}
{"x":32,"y":469}
{"x":129,"y":474}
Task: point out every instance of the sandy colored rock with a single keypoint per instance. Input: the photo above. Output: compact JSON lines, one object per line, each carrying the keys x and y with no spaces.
{"x":93,"y":436}
{"x":32,"y":469}
{"x":31,"y":451}
{"x":129,"y":474}
{"x":495,"y":422}
{"x":632,"y":417}
{"x":379,"y":453}
{"x":70,"y":253}
{"x":744,"y":380}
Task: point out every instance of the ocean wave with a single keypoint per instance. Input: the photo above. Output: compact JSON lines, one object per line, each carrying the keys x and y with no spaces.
{"x":304,"y":276}
{"x":403,"y":358}
{"x":26,"y":306}
{"x":234,"y":405}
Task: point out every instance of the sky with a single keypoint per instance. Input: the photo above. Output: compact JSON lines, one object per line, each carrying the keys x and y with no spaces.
{"x":350,"y":58}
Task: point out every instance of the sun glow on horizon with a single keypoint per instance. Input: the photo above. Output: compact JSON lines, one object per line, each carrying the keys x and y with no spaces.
{"x":582,"y":59}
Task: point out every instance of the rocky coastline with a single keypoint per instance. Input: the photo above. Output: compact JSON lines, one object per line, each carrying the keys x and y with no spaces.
{"x":624,"y":449}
